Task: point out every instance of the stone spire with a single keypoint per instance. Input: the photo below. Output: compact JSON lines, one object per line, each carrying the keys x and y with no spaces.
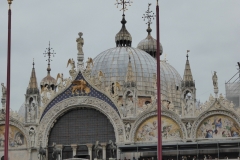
{"x":187,"y":72}
{"x":33,"y":78}
{"x":33,"y":86}
{"x":129,"y":77}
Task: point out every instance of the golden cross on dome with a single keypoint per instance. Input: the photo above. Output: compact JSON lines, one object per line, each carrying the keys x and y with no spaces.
{"x":9,"y":2}
{"x":124,"y":3}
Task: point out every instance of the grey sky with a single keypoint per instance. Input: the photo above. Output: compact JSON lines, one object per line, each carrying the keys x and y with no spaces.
{"x":209,"y":28}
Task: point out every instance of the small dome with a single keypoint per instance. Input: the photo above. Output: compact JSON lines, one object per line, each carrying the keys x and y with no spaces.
{"x":149,"y":44}
{"x":48,"y":80}
{"x":123,"y":37}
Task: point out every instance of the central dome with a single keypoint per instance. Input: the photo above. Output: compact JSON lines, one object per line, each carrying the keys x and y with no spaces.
{"x":114,"y":64}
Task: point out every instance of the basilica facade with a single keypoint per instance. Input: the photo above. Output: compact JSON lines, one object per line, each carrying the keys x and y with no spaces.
{"x":107,"y":109}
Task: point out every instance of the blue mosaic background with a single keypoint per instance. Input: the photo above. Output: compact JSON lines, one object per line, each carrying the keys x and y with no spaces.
{"x":68,"y":94}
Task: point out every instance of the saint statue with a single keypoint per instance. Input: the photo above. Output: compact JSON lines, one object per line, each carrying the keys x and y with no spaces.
{"x":80,"y":43}
{"x":32,"y":136}
{"x":215,"y":80}
{"x":4,"y":90}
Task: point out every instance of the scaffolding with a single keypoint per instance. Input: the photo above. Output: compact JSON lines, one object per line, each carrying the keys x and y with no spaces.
{"x":233,"y":88}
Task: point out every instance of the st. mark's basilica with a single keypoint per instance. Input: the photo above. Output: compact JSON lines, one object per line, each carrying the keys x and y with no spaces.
{"x":107,"y":109}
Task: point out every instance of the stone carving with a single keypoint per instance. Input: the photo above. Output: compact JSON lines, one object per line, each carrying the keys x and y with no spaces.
{"x":4,"y":90}
{"x":32,"y":112}
{"x":72,"y":71}
{"x":56,"y":152}
{"x":80,"y":43}
{"x":114,"y":90}
{"x":231,"y":105}
{"x":32,"y":136}
{"x":89,"y":64}
{"x":189,"y":127}
{"x":97,"y":148}
{"x":127,"y":130}
{"x":99,"y":79}
{"x":112,"y":148}
{"x":42,"y":153}
{"x":46,"y":93}
{"x":80,"y":85}
{"x":215,"y":80}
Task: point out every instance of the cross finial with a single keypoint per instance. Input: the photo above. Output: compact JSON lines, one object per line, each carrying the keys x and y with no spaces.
{"x":187,"y":54}
{"x":149,"y":15}
{"x":124,"y":3}
{"x":49,"y":51}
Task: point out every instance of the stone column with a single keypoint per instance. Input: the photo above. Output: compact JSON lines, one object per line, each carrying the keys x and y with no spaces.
{"x":89,"y":146}
{"x":118,"y":153}
{"x":46,"y":153}
{"x":60,"y":146}
{"x":74,"y":148}
{"x":104,"y":151}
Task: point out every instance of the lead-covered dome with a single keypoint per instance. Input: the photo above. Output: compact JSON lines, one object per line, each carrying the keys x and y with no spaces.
{"x":114,"y":64}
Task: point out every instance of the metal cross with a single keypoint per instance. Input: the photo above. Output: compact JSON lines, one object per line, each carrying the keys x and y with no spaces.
{"x":124,"y":3}
{"x":49,"y":53}
{"x":149,"y":15}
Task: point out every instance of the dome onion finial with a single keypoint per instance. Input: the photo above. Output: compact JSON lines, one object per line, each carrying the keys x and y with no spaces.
{"x":123,"y":38}
{"x":149,"y":16}
{"x":49,"y":51}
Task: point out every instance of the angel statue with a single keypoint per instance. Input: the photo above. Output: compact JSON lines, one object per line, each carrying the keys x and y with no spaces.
{"x":80,"y":43}
{"x":99,"y":79}
{"x":72,"y":63}
{"x":215,"y":80}
{"x":89,"y":63}
{"x":72,"y":72}
{"x":60,"y":84}
{"x":44,"y":93}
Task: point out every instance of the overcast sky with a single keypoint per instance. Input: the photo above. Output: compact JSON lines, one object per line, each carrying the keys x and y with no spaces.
{"x":210,"y":29}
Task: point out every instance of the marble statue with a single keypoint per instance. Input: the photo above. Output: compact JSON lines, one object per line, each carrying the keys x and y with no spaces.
{"x":127,"y":127}
{"x":215,"y":80}
{"x":32,"y":136}
{"x":231,"y":105}
{"x":4,"y":90}
{"x":89,"y":63}
{"x":97,"y":148}
{"x":72,"y":71}
{"x":188,"y":126}
{"x":60,"y":85}
{"x":32,"y":112}
{"x":80,"y":43}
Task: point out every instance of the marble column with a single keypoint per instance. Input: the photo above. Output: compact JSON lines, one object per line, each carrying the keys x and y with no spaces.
{"x":61,"y":147}
{"x":46,"y":153}
{"x":89,"y":146}
{"x":118,"y":153}
{"x":104,"y":157}
{"x":74,"y":148}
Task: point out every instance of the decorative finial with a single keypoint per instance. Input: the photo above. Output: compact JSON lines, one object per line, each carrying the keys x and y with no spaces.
{"x":49,"y":53}
{"x":9,"y":2}
{"x":33,"y":63}
{"x":187,"y":54}
{"x":149,"y":16}
{"x":124,"y":3}
{"x":157,"y":2}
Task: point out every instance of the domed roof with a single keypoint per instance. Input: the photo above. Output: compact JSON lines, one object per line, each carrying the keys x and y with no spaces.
{"x":149,"y":44}
{"x":114,"y":64}
{"x":49,"y":80}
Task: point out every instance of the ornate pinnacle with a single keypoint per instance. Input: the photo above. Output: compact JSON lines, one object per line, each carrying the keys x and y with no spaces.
{"x":124,"y":3}
{"x":49,"y":53}
{"x":149,"y":16}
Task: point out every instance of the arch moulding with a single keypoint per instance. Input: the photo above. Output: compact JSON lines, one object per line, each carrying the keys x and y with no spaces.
{"x":168,"y":114}
{"x":19,"y":125}
{"x":207,"y":114}
{"x":60,"y":108}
